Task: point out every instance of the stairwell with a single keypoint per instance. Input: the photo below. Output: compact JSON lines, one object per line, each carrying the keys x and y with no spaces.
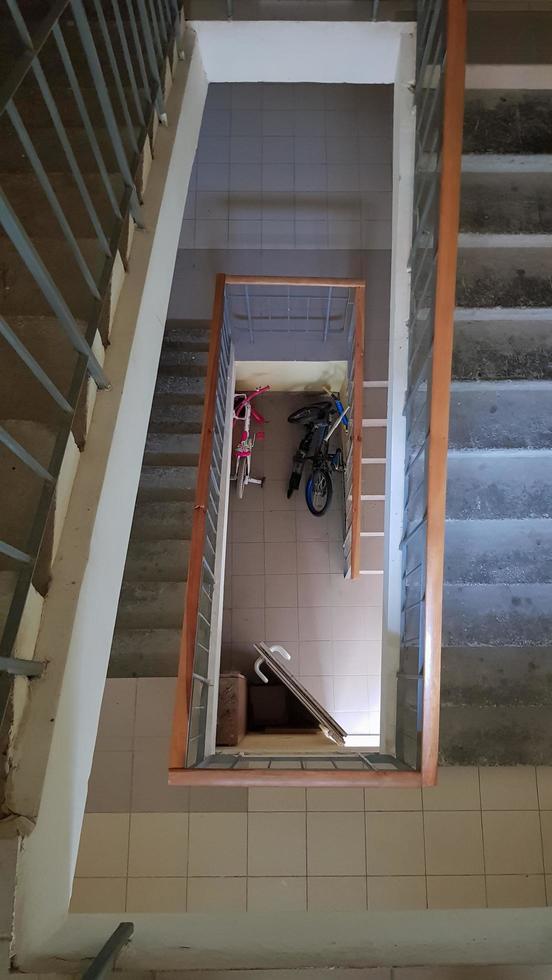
{"x":497,"y":631}
{"x":148,"y":628}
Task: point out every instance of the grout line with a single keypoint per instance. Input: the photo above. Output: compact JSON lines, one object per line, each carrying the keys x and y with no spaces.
{"x":541,"y":839}
{"x":482,"y":836}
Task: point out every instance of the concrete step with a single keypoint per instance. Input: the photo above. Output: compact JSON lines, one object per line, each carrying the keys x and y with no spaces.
{"x":509,"y":276}
{"x":189,"y":334}
{"x":145,"y":653}
{"x":159,"y":520}
{"x":180,"y":360}
{"x":501,"y":415}
{"x":162,"y":561}
{"x":172,"y":449}
{"x":151,"y":605}
{"x":167,"y":483}
{"x":37,"y":217}
{"x":491,"y":676}
{"x":508,"y":122}
{"x":509,"y":484}
{"x":501,"y":343}
{"x":21,"y":297}
{"x":506,"y":36}
{"x":21,"y":487}
{"x":21,"y":395}
{"x":498,"y":552}
{"x":501,"y":736}
{"x":49,"y":149}
{"x":181,"y":385}
{"x":497,"y":615}
{"x":506,"y":203}
{"x":175,"y":415}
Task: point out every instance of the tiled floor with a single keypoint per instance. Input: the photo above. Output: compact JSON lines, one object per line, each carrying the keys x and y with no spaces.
{"x":288,"y":166}
{"x":481,"y":838}
{"x":285,"y":584}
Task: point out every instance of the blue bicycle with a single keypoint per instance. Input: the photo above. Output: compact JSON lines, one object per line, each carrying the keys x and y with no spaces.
{"x":321,"y":420}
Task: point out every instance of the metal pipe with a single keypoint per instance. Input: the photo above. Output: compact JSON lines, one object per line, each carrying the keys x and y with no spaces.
{"x":34,"y":367}
{"x":19,"y":667}
{"x":26,"y":457}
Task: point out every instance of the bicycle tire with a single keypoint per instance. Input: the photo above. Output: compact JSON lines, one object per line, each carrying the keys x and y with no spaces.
{"x":240,"y":477}
{"x":318,"y":511}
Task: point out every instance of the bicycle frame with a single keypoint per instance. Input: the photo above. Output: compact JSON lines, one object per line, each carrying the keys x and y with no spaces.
{"x":243,"y":412}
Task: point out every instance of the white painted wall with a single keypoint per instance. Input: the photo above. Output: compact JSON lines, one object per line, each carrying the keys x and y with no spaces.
{"x":360,"y":53}
{"x":403,"y":191}
{"x":291,"y":375}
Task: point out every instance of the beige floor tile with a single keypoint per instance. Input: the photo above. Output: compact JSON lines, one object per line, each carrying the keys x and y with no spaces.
{"x":457,"y":789}
{"x":248,"y":591}
{"x":347,"y":894}
{"x":316,"y":657}
{"x":281,"y":590}
{"x":512,"y":842}
{"x":335,"y":799}
{"x":109,"y":785}
{"x":279,"y":525}
{"x":276,"y":894}
{"x":272,"y":798}
{"x":217,"y":845}
{"x":248,"y":559}
{"x":393,"y":799}
{"x":397,"y":893}
{"x":103,"y":850}
{"x":247,"y":527}
{"x":151,"y":792}
{"x":454,"y":844}
{"x":515,"y":891}
{"x":283,"y":623}
{"x":280,"y":558}
{"x":158,"y":845}
{"x":98,"y":895}
{"x":395,"y":843}
{"x":217,"y":895}
{"x":276,"y":844}
{"x":154,"y":706}
{"x":508,"y":788}
{"x":117,"y":713}
{"x":456,"y":892}
{"x":544,"y":783}
{"x":313,"y":556}
{"x":546,"y":831}
{"x":218,"y":799}
{"x":336,"y":844}
{"x":156,"y":895}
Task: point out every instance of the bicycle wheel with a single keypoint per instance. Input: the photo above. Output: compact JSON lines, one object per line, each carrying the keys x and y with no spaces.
{"x":318,"y":492}
{"x":240,"y":478}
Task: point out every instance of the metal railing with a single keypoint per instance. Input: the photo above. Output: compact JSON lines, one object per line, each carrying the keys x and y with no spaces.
{"x":103,"y":964}
{"x":439,"y":98}
{"x":76,"y":111}
{"x":314,"y":314}
{"x":195,"y":682}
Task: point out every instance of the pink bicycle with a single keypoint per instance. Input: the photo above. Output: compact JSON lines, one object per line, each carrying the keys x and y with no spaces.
{"x":243,"y":411}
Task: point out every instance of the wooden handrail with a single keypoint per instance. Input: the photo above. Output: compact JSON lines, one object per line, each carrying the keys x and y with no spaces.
{"x":441,"y":370}
{"x":197,"y":542}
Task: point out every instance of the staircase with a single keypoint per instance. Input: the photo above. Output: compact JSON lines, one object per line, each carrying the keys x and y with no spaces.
{"x":148,"y":629}
{"x":497,"y":632}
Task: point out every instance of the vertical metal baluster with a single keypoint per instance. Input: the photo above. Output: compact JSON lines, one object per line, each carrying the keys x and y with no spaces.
{"x":152,"y":60}
{"x":162,"y":25}
{"x":116,"y":75}
{"x":86,"y":121}
{"x":15,"y":447}
{"x":138,"y":47}
{"x":328,"y":310}
{"x":34,"y":367}
{"x":51,"y":195}
{"x":248,"y":308}
{"x":155,"y":32}
{"x":44,"y":87}
{"x":23,"y":244}
{"x":87,"y":41}
{"x":128,"y":61}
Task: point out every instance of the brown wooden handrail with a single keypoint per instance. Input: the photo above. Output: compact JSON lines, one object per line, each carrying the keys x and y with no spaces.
{"x":197,"y":542}
{"x":441,"y":370}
